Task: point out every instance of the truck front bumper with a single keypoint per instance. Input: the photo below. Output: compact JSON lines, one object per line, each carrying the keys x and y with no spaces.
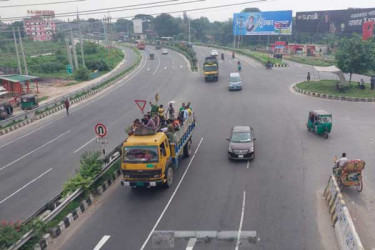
{"x":155,"y":183}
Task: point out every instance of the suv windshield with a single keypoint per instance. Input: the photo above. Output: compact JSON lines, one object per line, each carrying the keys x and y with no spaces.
{"x":240,"y":137}
{"x":141,"y":154}
{"x":234,"y":79}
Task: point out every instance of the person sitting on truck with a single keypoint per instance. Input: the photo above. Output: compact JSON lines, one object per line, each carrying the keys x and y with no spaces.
{"x":136,"y":124}
{"x":156,"y":120}
{"x":150,"y":122}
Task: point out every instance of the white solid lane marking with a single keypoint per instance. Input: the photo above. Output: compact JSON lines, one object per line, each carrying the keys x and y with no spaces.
{"x":102,"y":242}
{"x":40,"y":176}
{"x":9,"y":164}
{"x":181,"y":66}
{"x":148,"y":69}
{"x":242,"y":215}
{"x":170,"y":200}
{"x":157,"y":67}
{"x":165,"y":67}
{"x":248,"y":163}
{"x":84,"y":145}
{"x":191,"y":243}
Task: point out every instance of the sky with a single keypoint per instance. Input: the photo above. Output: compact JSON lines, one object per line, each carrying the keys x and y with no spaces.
{"x":219,"y":14}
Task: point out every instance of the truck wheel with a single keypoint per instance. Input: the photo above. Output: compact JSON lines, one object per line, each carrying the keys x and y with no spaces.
{"x":169,"y":177}
{"x":187,"y":149}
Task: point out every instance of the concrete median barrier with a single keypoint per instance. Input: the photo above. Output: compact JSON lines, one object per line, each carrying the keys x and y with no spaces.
{"x":346,"y":234}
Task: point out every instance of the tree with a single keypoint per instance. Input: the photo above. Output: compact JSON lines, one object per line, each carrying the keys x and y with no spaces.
{"x":200,"y":28}
{"x":355,"y":56}
{"x":123,"y":25}
{"x":166,"y":25}
{"x":250,"y":9}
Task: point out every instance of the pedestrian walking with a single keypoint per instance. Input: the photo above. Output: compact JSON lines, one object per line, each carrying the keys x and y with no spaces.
{"x":67,"y":105}
{"x":372,"y":82}
{"x":308,"y":76}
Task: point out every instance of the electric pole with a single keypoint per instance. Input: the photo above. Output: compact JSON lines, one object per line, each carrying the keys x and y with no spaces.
{"x":17,"y":53}
{"x":189,"y":29}
{"x":80,"y":41}
{"x":23,"y":52}
{"x":74,"y":51}
{"x":69,"y":52}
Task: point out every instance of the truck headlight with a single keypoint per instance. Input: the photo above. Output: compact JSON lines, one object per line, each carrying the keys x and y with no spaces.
{"x":252,"y":149}
{"x":230,"y":150}
{"x":126,"y":175}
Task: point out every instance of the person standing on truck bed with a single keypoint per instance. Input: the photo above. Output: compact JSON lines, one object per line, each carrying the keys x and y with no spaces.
{"x":170,"y":112}
{"x":161,"y":114}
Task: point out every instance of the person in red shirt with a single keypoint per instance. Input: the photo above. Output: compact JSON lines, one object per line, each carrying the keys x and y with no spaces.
{"x":67,"y":105}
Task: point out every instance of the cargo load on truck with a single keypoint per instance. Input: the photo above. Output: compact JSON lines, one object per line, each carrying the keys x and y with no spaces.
{"x":151,"y":154}
{"x":211,"y":68}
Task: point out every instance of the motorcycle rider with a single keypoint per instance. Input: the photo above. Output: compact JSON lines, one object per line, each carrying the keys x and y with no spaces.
{"x":268,"y":64}
{"x":239,"y":66}
{"x":222,"y":56}
{"x":233,"y":55}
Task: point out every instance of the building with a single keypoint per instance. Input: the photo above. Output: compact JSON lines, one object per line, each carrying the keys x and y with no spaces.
{"x":40,"y":26}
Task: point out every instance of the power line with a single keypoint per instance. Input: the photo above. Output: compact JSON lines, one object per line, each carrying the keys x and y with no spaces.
{"x":34,"y":4}
{"x":63,"y":14}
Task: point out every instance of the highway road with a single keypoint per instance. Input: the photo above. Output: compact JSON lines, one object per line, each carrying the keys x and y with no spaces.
{"x":278,"y":195}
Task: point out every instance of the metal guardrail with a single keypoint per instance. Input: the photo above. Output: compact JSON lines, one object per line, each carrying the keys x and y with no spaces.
{"x":54,"y":103}
{"x":109,"y":160}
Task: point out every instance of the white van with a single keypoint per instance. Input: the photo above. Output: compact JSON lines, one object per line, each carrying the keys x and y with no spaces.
{"x":235,"y":81}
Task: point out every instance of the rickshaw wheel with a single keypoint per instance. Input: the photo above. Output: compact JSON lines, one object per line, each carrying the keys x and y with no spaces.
{"x":308,"y":128}
{"x":326,"y":135}
{"x":339,"y":183}
{"x":359,"y":186}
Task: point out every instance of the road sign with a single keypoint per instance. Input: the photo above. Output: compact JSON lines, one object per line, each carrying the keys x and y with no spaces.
{"x":141,"y":104}
{"x":101,"y":140}
{"x":100,"y":130}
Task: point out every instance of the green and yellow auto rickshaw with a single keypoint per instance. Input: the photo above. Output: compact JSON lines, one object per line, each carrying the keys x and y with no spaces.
{"x":320,"y":122}
{"x":29,"y":101}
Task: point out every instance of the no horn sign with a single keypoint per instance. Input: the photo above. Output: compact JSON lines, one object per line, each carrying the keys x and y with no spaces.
{"x":100,"y":130}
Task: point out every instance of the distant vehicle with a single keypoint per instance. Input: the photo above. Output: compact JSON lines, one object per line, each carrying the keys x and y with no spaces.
{"x":214,"y":53}
{"x":29,"y":101}
{"x":158,"y":44}
{"x":278,"y":56}
{"x":164,"y":51}
{"x":320,"y":122}
{"x":141,"y":45}
{"x":211,"y":69}
{"x":235,"y":82}
{"x":6,"y":110}
{"x":241,"y":143}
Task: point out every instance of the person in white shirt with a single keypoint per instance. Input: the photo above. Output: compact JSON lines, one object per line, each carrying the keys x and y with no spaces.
{"x":340,"y":163}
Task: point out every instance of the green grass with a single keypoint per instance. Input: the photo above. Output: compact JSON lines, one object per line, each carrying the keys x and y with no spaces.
{"x":314,"y":61}
{"x":328,"y":87}
{"x":68,"y":209}
{"x":43,"y":98}
{"x":11,"y":124}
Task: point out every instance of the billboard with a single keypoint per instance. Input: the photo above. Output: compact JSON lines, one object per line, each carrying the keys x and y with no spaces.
{"x":137,"y":26}
{"x":262,"y":23}
{"x":334,"y":21}
{"x":41,"y":13}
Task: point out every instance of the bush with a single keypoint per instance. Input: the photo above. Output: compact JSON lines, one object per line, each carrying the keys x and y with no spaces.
{"x":51,"y":67}
{"x":90,"y":167}
{"x":90,"y":48}
{"x":11,"y":232}
{"x":82,"y":74}
{"x":100,"y":65}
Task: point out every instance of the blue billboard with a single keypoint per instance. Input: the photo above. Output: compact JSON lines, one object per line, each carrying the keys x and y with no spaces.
{"x":262,"y":23}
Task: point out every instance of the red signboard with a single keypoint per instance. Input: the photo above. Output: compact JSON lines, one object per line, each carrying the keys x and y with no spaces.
{"x":100,"y":130}
{"x":141,"y":104}
{"x":367,"y":30}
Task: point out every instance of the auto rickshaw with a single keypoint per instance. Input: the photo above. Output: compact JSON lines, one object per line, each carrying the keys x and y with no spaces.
{"x":152,"y":56}
{"x":350,"y":174}
{"x":29,"y":101}
{"x":320,"y":122}
{"x":6,"y":110}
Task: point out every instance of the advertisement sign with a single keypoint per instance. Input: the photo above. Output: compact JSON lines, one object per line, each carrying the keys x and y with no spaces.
{"x":137,"y":25}
{"x":262,"y":23}
{"x":334,"y":21}
{"x":367,"y":30}
{"x":42,"y":13}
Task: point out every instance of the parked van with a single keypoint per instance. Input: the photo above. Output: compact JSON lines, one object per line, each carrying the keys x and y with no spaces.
{"x":235,"y":81}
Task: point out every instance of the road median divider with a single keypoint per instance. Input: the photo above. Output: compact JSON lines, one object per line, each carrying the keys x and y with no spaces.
{"x":346,"y":234}
{"x":187,"y":52}
{"x":258,"y":56}
{"x":75,"y":97}
{"x":93,"y":178}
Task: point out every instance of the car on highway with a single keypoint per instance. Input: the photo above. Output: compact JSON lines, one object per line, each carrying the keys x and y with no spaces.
{"x":235,"y":82}
{"x":241,"y":143}
{"x":164,"y":51}
{"x":214,"y":53}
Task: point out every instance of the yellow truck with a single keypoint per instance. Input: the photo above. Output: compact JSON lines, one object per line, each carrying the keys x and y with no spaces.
{"x":211,"y":69}
{"x":150,"y":158}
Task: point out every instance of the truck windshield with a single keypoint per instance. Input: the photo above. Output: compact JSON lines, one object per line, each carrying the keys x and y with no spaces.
{"x":209,"y":68}
{"x":241,"y":137}
{"x":141,"y":154}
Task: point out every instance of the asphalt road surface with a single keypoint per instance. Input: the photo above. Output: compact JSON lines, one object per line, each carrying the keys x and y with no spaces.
{"x":277,"y":195}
